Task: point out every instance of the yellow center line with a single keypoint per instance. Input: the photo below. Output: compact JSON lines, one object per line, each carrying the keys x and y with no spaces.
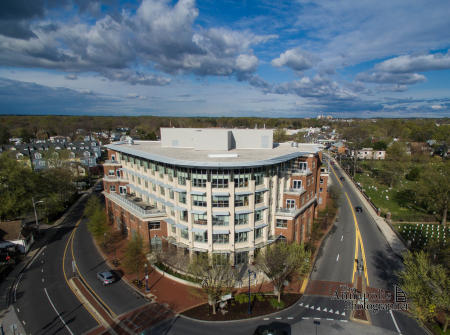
{"x":358,"y":237}
{"x":65,"y":276}
{"x":114,"y":315}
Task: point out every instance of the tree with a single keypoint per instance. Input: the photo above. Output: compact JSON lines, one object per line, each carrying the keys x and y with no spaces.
{"x":281,"y":261}
{"x":279,"y":135}
{"x":217,"y":279}
{"x":134,"y":254}
{"x":433,"y":188}
{"x":4,"y":135}
{"x":426,"y":285}
{"x":17,"y":186}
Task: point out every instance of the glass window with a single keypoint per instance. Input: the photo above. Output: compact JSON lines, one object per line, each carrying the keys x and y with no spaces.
{"x":154,"y":225}
{"x":240,"y":237}
{"x":161,"y":170}
{"x":259,"y":178}
{"x":199,"y":200}
{"x":259,"y":215}
{"x":199,"y":178}
{"x":112,"y":188}
{"x":259,"y":197}
{"x":184,"y":233}
{"x":182,"y":197}
{"x":221,"y":238}
{"x":241,"y":178}
{"x":171,"y":194}
{"x":161,"y":190}
{"x":281,"y":223}
{"x":290,"y":203}
{"x":258,"y":233}
{"x":221,"y":259}
{"x":201,"y":237}
{"x":170,"y":173}
{"x":297,"y":184}
{"x":241,"y":257}
{"x":240,"y":200}
{"x":220,"y":201}
{"x":302,"y":165}
{"x":240,"y":219}
{"x":146,"y":184}
{"x":174,"y":229}
{"x":200,"y":219}
{"x":154,"y":187}
{"x":220,"y":220}
{"x":220,"y":179}
{"x":182,"y":177}
{"x":183,"y":216}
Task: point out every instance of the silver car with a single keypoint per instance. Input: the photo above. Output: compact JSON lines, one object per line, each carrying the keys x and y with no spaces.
{"x":106,"y":277}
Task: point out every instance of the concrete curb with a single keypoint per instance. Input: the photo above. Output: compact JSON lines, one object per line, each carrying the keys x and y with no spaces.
{"x":178,"y":280}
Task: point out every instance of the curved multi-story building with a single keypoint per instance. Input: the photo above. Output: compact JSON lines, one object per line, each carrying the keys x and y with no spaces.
{"x":221,"y":191}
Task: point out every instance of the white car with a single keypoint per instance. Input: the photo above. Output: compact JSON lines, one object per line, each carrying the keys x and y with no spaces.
{"x":106,"y":277}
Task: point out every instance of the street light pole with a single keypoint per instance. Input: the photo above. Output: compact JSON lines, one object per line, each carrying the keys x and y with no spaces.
{"x":35,"y":214}
{"x":146,"y":278}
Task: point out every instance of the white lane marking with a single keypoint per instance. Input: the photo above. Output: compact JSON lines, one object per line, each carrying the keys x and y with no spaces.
{"x":337,"y":258}
{"x":42,"y":279}
{"x":316,"y":318}
{"x":35,"y":257}
{"x":318,"y":308}
{"x":395,"y":322}
{"x":342,"y":237}
{"x":42,"y":270}
{"x":290,"y":318}
{"x":266,"y":319}
{"x":305,"y":318}
{"x":18,"y":310}
{"x":312,"y":307}
{"x":330,"y":319}
{"x":23,"y":322}
{"x":337,"y":312}
{"x":307,"y":306}
{"x":57,"y":313}
{"x":301,"y":304}
{"x":343,"y":320}
{"x":325,"y":309}
{"x":330,"y":311}
{"x":16,"y":286}
{"x":278,"y":318}
{"x":343,"y":314}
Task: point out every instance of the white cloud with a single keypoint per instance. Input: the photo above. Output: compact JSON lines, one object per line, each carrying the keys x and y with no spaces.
{"x":295,"y":59}
{"x":415,"y":63}
{"x":391,"y":78}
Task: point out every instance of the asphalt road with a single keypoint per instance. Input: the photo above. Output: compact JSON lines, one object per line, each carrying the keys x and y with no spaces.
{"x":44,"y":302}
{"x":119,"y":297}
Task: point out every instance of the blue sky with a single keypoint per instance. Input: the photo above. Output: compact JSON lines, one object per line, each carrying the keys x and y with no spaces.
{"x":225,"y":58}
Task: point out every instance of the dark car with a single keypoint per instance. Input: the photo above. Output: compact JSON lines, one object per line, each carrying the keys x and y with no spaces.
{"x":275,"y":328}
{"x":358,"y":209}
{"x":342,"y":179}
{"x":106,"y":277}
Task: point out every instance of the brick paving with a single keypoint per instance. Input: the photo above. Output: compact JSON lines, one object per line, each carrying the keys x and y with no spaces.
{"x":324,"y":288}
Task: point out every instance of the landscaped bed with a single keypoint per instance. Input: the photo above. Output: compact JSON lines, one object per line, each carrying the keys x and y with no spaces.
{"x":261,"y":305}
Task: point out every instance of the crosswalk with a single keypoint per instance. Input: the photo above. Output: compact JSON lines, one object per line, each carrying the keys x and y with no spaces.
{"x":325,"y":309}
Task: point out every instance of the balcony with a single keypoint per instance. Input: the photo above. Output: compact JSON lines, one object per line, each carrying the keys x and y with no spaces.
{"x":109,"y":161}
{"x":296,"y":191}
{"x":293,"y":212}
{"x":300,"y":172}
{"x":135,"y":205}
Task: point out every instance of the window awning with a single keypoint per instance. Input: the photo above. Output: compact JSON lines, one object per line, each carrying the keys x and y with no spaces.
{"x":243,"y":211}
{"x":194,"y":192}
{"x":242,"y":230}
{"x":261,"y":208}
{"x":261,"y":225}
{"x":169,"y":221}
{"x":181,"y":226}
{"x":198,"y":230}
{"x":244,"y":193}
{"x":221,"y":231}
{"x":222,"y":213}
{"x":221,"y":194}
{"x":198,"y":211}
{"x":262,"y":190}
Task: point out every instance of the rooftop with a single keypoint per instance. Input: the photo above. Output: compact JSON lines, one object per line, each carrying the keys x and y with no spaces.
{"x":153,"y":150}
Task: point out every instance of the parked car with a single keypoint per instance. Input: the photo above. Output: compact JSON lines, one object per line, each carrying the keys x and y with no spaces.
{"x":358,"y":209}
{"x":106,"y":277}
{"x":98,"y":187}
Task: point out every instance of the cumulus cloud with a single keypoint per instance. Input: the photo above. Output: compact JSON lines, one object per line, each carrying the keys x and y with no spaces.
{"x":295,"y":59}
{"x":71,"y":76}
{"x":391,"y":78}
{"x":415,"y":63}
{"x":158,"y":35}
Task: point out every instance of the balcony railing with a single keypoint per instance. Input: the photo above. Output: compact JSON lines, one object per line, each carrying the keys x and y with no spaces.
{"x":137,"y":205}
{"x":294,"y":190}
{"x":303,"y":172}
{"x":109,"y":161}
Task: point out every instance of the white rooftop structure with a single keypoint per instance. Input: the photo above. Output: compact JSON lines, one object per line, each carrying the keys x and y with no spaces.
{"x":215,"y":148}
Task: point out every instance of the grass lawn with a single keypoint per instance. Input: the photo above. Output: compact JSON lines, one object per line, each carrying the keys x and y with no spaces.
{"x":421,"y":235}
{"x":387,"y":199}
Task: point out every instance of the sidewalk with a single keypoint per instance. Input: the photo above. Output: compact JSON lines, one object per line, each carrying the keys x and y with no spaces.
{"x":389,"y":234}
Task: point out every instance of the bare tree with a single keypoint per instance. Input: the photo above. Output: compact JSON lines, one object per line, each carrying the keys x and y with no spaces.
{"x":281,"y":261}
{"x":216,"y":279}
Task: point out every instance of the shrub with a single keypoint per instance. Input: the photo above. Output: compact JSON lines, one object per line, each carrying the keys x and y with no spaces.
{"x":275,"y":304}
{"x":242,"y":298}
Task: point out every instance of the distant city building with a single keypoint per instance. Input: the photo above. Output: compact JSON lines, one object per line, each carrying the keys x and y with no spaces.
{"x":217,"y":191}
{"x":369,"y":153}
